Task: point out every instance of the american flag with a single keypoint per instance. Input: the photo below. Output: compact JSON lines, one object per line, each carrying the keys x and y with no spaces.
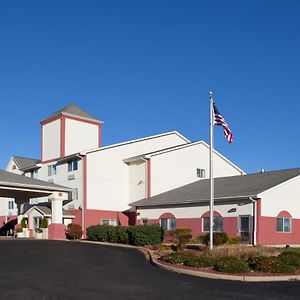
{"x":219,"y":120}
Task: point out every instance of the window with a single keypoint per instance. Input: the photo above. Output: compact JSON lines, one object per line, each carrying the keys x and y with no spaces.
{"x":52,"y":170}
{"x":72,"y":165}
{"x":168,"y":224}
{"x":10,"y":204}
{"x":200,"y":173}
{"x":112,"y":222}
{"x":218,"y":224}
{"x":283,"y":225}
{"x":33,"y":173}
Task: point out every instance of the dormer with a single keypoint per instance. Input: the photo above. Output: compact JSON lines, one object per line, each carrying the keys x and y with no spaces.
{"x":68,"y":131}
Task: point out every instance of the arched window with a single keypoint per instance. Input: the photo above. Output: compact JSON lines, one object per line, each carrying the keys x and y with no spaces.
{"x":284,"y":222}
{"x":218,"y":222}
{"x":167,"y":221}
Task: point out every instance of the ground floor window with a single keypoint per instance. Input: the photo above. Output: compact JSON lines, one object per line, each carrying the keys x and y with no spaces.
{"x":37,"y":221}
{"x":168,"y":223}
{"x":283,"y":225}
{"x":112,"y":222}
{"x":218,"y":223}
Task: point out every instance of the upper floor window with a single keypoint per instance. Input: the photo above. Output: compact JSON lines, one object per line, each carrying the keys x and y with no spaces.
{"x":72,"y":165}
{"x":200,"y":173}
{"x":33,"y":173}
{"x":52,"y":170}
{"x":283,"y":225}
{"x":11,"y":204}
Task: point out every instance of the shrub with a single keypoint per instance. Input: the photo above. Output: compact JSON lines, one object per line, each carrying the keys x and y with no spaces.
{"x":233,"y":240}
{"x":198,"y":239}
{"x":91,"y":233}
{"x":219,"y":238}
{"x":23,"y":223}
{"x":183,"y":236}
{"x":177,"y":257}
{"x":142,"y":235}
{"x":44,"y":223}
{"x":231,"y":265}
{"x":290,"y":258}
{"x":123,"y":237}
{"x":19,"y":229}
{"x":270,"y":265}
{"x":112,"y":234}
{"x":199,"y":261}
{"x":74,"y":231}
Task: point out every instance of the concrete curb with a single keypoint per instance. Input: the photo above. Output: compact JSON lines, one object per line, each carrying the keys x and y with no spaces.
{"x":223,"y":276}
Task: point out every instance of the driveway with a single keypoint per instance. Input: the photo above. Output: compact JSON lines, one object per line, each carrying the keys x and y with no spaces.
{"x":43,"y":270}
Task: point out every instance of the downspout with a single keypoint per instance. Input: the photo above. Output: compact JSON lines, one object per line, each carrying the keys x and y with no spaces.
{"x":254,"y":220}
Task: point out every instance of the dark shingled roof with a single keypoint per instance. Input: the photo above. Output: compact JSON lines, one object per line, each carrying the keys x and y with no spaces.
{"x":233,"y":187}
{"x":25,"y":162}
{"x":74,"y":110}
{"x":11,"y":179}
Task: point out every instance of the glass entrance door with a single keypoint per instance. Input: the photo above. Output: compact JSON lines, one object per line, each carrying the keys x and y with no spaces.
{"x":244,"y":228}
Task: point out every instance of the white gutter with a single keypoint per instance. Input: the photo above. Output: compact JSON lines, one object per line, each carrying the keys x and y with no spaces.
{"x":254,"y":220}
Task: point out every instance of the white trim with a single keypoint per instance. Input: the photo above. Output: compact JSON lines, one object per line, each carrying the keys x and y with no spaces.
{"x":134,"y":141}
{"x":262,"y":194}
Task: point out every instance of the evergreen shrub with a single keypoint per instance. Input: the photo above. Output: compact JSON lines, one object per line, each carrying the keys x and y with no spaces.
{"x":231,"y":265}
{"x":270,"y":265}
{"x":219,"y":238}
{"x":44,"y":223}
{"x":183,"y":236}
{"x":23,"y":223}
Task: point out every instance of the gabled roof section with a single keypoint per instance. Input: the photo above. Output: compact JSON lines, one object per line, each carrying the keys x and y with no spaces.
{"x":73,"y":110}
{"x":15,"y":180}
{"x":25,"y":162}
{"x":45,"y":210}
{"x":226,"y":188}
{"x":136,"y":141}
{"x":174,"y":148}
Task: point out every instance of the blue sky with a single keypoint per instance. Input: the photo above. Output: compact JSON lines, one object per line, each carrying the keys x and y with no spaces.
{"x":145,"y":67}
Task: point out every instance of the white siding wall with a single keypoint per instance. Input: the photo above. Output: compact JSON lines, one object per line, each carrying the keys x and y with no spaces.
{"x":51,"y":140}
{"x":108,"y":176}
{"x":196,"y":212}
{"x":137,"y":181}
{"x":176,"y":168}
{"x":61,"y":178}
{"x":80,"y":136}
{"x":283,"y":197}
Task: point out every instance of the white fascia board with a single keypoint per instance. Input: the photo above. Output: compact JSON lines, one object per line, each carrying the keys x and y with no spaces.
{"x":135,"y":141}
{"x":263,"y":193}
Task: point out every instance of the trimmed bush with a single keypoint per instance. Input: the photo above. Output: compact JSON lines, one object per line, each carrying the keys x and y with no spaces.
{"x":183,"y":235}
{"x":199,"y":261}
{"x":74,"y":231}
{"x":44,"y":223}
{"x":270,"y":265}
{"x":219,"y":238}
{"x":231,"y":265}
{"x":290,"y":259}
{"x":23,"y":223}
{"x":177,"y":257}
{"x":140,"y":235}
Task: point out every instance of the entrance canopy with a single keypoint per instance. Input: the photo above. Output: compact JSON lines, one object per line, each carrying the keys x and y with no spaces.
{"x":23,"y":188}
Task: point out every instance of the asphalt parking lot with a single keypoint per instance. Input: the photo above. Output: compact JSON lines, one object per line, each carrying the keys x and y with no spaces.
{"x":43,"y":270}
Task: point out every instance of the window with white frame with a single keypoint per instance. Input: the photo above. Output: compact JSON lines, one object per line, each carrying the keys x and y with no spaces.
{"x":283,"y":224}
{"x":11,"y":204}
{"x":218,"y":224}
{"x":111,"y":222}
{"x":73,"y":165}
{"x":33,"y":173}
{"x":52,"y":170}
{"x":168,"y":223}
{"x":200,"y":173}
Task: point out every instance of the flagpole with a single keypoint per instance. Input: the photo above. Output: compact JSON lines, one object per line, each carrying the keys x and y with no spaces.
{"x":211,"y":202}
